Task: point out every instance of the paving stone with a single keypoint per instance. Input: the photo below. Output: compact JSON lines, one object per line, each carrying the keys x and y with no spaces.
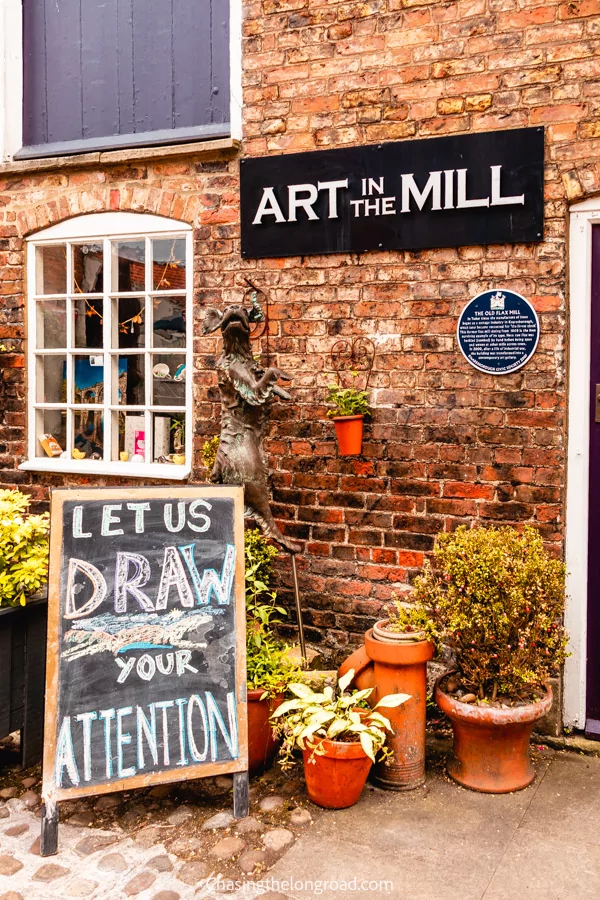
{"x":193,"y":872}
{"x":250,"y":860}
{"x":274,"y":895}
{"x":139,"y":883}
{"x":9,"y":792}
{"x":113,"y":862}
{"x":16,"y":830}
{"x":186,"y":845}
{"x":160,"y":863}
{"x":84,"y":818}
{"x":94,"y":842}
{"x":81,"y":887}
{"x":224,"y":782}
{"x":29,"y":782}
{"x":108,"y":801}
{"x":227,"y":847}
{"x":277,"y":839}
{"x":180,"y":815}
{"x":160,"y":791}
{"x":9,"y":865}
{"x":249,"y":825}
{"x":4,"y":813}
{"x":11,"y":895}
{"x":50,"y":872}
{"x":220,"y":820}
{"x":148,"y":836}
{"x":272,"y":803}
{"x":35,"y":847}
{"x":30,"y":799}
{"x":166,"y":895}
{"x":300,"y":816}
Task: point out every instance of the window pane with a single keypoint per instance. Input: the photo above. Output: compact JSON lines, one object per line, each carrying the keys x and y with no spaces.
{"x":51,"y":374}
{"x":168,"y":270}
{"x":168,"y":380}
{"x":128,"y":322}
{"x":169,"y":322}
{"x":132,"y":436}
{"x":88,"y":268}
{"x":128,"y":266}
{"x":51,"y":428}
{"x":88,"y":434}
{"x":128,"y":379}
{"x":169,"y":438}
{"x":51,"y":324}
{"x":88,"y":322}
{"x":88,"y":374}
{"x":51,"y":269}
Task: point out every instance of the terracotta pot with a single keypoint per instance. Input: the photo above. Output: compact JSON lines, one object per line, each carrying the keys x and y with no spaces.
{"x":262,"y":746}
{"x":381,"y":633}
{"x":491,"y":746}
{"x":336,"y":779}
{"x":349,"y":431}
{"x":401,"y":668}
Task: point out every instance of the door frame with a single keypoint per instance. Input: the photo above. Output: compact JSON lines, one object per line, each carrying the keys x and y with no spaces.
{"x":583,"y":216}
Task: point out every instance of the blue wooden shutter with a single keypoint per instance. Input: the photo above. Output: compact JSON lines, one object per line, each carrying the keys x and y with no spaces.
{"x":104,"y":74}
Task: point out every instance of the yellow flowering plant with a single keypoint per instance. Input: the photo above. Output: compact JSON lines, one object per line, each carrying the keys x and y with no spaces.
{"x":23,"y":549}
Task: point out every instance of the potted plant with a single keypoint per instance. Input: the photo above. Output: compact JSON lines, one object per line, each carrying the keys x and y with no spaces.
{"x":23,"y":618}
{"x":498,"y":597}
{"x":394,"y":659}
{"x":338,"y":737}
{"x":268,"y":668}
{"x":350,"y":406}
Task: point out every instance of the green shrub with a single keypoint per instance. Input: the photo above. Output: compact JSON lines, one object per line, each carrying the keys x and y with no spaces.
{"x":406,"y":618}
{"x":347,"y":401}
{"x":267,"y":665}
{"x":23,"y":549}
{"x":498,"y":597}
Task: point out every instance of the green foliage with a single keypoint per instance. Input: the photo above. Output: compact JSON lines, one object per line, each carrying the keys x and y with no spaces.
{"x":23,"y":549}
{"x":310,"y":718}
{"x":209,"y":452}
{"x":268,"y":667}
{"x":498,"y":596}
{"x":410,"y":618}
{"x":347,"y":401}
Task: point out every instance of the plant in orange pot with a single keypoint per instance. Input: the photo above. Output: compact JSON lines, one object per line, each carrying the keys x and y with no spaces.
{"x":350,"y":406}
{"x":498,"y":597}
{"x":339,"y":738}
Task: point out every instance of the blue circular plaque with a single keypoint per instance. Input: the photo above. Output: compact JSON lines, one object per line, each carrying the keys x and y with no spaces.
{"x":498,"y":332}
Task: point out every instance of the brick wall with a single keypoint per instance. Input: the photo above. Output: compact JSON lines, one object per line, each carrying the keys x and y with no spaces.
{"x":447,"y":444}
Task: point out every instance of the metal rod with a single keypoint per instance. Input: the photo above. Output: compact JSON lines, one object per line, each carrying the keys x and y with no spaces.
{"x":299,"y":613}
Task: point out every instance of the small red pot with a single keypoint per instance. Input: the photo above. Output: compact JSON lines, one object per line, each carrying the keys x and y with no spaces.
{"x":336,"y":779}
{"x":262,"y":746}
{"x":349,"y":430}
{"x":491,"y":746}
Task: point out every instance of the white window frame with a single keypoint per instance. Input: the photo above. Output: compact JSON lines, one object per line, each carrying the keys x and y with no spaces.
{"x":11,"y":75}
{"x":108,"y":226}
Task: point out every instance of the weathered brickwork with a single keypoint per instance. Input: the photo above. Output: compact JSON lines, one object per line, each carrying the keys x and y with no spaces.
{"x":447,"y":444}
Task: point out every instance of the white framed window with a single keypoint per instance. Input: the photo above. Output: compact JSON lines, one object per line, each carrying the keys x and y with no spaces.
{"x":109,"y":334}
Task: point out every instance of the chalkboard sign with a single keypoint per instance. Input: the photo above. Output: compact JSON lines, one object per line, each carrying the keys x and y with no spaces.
{"x":498,"y":332}
{"x":146,"y":639}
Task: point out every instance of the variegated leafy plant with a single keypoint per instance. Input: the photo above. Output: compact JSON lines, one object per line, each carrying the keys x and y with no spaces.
{"x":311,"y":718}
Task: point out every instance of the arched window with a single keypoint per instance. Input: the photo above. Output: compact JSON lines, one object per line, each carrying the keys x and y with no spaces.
{"x":110,"y":348}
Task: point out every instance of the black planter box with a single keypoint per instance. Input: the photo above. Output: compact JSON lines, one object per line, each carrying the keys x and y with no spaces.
{"x":22,"y":675}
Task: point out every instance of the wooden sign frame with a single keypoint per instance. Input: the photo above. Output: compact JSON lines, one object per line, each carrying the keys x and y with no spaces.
{"x":51,"y":793}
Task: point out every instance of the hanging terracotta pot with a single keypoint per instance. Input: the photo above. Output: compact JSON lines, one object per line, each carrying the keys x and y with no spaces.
{"x":349,"y":430}
{"x":401,"y":668}
{"x":336,"y":779}
{"x":262,"y":746}
{"x":491,"y":745}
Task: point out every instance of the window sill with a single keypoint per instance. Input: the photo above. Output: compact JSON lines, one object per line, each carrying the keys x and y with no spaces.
{"x":208,"y":150}
{"x":118,"y":469}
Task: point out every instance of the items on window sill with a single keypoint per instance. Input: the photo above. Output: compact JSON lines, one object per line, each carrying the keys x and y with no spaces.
{"x":161,"y":370}
{"x":179,"y":373}
{"x":78,"y":454}
{"x":50,"y":445}
{"x":124,"y":456}
{"x":178,"y":459}
{"x":137,"y":458}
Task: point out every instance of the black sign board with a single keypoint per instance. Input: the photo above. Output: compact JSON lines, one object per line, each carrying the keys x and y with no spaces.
{"x":409,"y":195}
{"x":146,"y":639}
{"x":498,"y":332}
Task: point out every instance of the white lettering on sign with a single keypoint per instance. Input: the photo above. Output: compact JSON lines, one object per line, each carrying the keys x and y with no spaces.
{"x":433,"y":187}
{"x":300,"y":196}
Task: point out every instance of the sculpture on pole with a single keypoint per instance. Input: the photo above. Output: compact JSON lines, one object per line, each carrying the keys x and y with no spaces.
{"x":246,"y":391}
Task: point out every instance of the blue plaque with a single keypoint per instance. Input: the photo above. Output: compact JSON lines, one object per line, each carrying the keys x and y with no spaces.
{"x":498,"y":332}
